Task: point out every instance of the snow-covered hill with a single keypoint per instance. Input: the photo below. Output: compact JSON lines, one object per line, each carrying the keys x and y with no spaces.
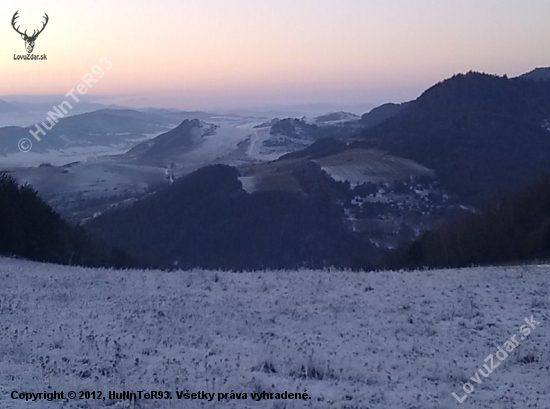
{"x":352,"y":340}
{"x":336,"y":118}
{"x":195,"y":143}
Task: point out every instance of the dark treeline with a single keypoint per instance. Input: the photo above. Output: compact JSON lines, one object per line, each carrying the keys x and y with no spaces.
{"x":511,"y":228}
{"x":29,"y":228}
{"x":207,"y":220}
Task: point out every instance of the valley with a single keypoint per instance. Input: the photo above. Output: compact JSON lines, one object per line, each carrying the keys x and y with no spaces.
{"x":384,"y":178}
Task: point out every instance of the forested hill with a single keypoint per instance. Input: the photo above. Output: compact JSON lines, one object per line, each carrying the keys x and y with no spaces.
{"x":31,"y":229}
{"x":207,"y":220}
{"x":482,"y":134}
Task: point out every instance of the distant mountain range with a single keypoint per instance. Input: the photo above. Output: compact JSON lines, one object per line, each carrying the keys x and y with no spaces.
{"x":301,"y":110}
{"x":538,"y":74}
{"x":106,"y":157}
{"x":22,"y":112}
{"x":8,"y":108}
{"x":311,"y":191}
{"x":106,"y":127}
{"x":195,"y":143}
{"x":100,"y":132}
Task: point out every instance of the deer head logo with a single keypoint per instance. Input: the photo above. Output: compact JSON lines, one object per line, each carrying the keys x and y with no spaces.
{"x":29,"y":40}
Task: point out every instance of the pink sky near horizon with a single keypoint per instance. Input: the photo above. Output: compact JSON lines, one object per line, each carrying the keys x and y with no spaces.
{"x":236,"y":53}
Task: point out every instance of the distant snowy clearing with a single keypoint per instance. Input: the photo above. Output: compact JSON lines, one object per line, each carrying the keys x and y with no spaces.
{"x":352,"y":340}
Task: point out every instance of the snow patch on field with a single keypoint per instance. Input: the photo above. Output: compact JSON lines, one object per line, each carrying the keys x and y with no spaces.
{"x":352,"y":340}
{"x":249,"y":183}
{"x":363,"y":166}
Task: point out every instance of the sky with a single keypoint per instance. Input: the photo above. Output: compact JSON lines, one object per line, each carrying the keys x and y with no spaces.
{"x":200,"y":54}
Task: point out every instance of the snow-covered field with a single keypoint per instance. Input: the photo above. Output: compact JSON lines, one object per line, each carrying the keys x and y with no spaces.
{"x":352,"y":340}
{"x":363,"y":166}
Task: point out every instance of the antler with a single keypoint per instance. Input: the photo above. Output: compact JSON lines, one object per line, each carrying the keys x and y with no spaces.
{"x":15,"y":17}
{"x":43,"y":26}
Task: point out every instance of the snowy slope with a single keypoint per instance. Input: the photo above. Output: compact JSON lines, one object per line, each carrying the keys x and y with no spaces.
{"x":352,"y":340}
{"x":194,"y":144}
{"x":359,"y":166}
